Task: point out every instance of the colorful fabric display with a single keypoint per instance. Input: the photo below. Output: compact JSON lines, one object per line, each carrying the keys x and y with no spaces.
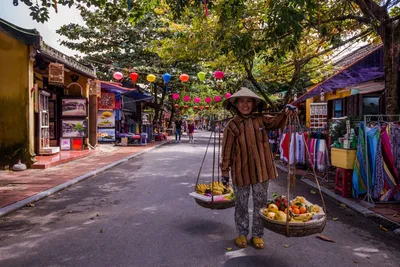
{"x":359,"y":178}
{"x":290,"y":153}
{"x":382,"y":168}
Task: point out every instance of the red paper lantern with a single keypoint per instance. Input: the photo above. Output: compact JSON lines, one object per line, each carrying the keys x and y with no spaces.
{"x":175,"y":96}
{"x":197,"y":99}
{"x":207,"y":107}
{"x":208,"y":99}
{"x":219,"y":74}
{"x":186,"y":106}
{"x":195,"y":107}
{"x":176,"y":106}
{"x":228,"y":95}
{"x":217,"y":98}
{"x":134,"y":76}
{"x":201,"y":107}
{"x":184,"y":77}
{"x":186,"y":98}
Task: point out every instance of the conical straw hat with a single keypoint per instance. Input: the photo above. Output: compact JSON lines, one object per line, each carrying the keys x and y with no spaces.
{"x":243,"y":92}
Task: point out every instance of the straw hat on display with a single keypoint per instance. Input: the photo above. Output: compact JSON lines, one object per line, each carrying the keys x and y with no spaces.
{"x":230,"y":103}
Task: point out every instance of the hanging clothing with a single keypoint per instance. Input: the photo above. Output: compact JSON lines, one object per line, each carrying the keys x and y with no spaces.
{"x":379,"y":172}
{"x":322,"y":155}
{"x":391,"y":176}
{"x":373,"y":135}
{"x":395,"y":144}
{"x":359,"y":178}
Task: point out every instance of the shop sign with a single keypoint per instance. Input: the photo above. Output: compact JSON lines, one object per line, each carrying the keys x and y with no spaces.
{"x":56,"y":73}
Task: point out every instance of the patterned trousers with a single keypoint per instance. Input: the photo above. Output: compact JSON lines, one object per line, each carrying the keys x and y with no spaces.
{"x":260,"y":195}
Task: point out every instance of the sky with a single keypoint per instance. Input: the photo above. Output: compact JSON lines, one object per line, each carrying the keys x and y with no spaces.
{"x":19,"y":16}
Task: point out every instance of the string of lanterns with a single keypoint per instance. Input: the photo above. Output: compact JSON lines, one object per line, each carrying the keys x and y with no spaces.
{"x":151,"y":78}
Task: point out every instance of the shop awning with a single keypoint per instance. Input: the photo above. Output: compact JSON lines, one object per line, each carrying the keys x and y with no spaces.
{"x":123,"y":91}
{"x":138,"y":96}
{"x":366,"y":69}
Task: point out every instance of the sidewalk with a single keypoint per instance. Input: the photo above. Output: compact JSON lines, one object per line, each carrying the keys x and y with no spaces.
{"x":18,"y":189}
{"x":387,"y":215}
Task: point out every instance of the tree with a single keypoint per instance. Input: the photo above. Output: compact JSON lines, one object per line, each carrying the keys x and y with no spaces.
{"x":40,"y":8}
{"x":115,"y":39}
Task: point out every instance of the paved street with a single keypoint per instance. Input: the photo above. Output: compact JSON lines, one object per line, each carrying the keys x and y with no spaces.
{"x":139,"y":214}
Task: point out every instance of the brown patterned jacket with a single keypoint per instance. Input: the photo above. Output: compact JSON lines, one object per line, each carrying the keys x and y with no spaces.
{"x":246,"y":151}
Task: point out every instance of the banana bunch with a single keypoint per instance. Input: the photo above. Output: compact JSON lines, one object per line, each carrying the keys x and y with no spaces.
{"x":305,"y":217}
{"x":218,"y":188}
{"x":201,"y":188}
{"x":315,"y":208}
{"x":299,"y":199}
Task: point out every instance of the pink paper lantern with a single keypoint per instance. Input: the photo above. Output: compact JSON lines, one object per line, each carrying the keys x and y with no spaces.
{"x":175,"y":96}
{"x":197,"y":99}
{"x":208,"y":99}
{"x":219,"y":74}
{"x":186,"y":98}
{"x":228,"y":95}
{"x":217,"y":98}
{"x":118,"y":75}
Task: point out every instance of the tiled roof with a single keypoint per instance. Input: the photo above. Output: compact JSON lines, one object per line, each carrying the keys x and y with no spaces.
{"x":351,"y":58}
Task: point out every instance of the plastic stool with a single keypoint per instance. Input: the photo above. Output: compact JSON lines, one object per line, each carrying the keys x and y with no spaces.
{"x":343,"y":181}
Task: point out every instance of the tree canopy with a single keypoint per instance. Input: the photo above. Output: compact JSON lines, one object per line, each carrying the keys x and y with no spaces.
{"x":270,"y":46}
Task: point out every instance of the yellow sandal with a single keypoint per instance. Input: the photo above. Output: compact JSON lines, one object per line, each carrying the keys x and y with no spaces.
{"x":241,"y":241}
{"x":258,"y":242}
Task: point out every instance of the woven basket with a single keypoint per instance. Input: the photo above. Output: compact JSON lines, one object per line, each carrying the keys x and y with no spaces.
{"x":295,"y":229}
{"x":215,"y":205}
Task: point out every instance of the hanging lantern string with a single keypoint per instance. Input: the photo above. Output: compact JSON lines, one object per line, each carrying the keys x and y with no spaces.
{"x":116,"y":68}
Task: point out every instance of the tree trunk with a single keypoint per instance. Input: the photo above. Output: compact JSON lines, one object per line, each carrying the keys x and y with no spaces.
{"x":171,"y":118}
{"x":156,"y":105}
{"x":391,"y":44}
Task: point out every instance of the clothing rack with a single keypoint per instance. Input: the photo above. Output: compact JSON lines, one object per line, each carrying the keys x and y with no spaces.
{"x":377,"y":119}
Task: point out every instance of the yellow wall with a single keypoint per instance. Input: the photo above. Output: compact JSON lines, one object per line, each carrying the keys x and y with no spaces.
{"x":327,"y":96}
{"x":14,"y":100}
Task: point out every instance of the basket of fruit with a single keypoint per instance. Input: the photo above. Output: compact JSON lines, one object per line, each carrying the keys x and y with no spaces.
{"x":214,"y":196}
{"x":304,"y":218}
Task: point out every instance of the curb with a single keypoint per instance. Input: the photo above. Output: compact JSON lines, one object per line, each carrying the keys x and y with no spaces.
{"x":22,"y":203}
{"x":350,"y":204}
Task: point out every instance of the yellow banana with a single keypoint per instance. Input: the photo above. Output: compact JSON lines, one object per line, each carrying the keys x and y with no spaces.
{"x":304,"y":216}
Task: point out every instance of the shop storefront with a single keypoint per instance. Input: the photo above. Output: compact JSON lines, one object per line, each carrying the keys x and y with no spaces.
{"x":347,"y":111}
{"x":120,"y":116}
{"x":61,"y":111}
{"x":44,"y":98}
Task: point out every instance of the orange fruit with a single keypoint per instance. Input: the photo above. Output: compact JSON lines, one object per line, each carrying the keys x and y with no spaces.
{"x":294,"y":206}
{"x":296,"y":210}
{"x":303,"y":210}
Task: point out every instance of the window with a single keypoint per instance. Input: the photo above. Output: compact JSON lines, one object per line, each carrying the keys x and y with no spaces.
{"x":337,"y":108}
{"x":370,"y":105}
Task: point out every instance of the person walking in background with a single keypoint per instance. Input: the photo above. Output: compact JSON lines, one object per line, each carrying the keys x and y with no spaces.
{"x":178,"y":130}
{"x":191,"y":131}
{"x":246,"y":155}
